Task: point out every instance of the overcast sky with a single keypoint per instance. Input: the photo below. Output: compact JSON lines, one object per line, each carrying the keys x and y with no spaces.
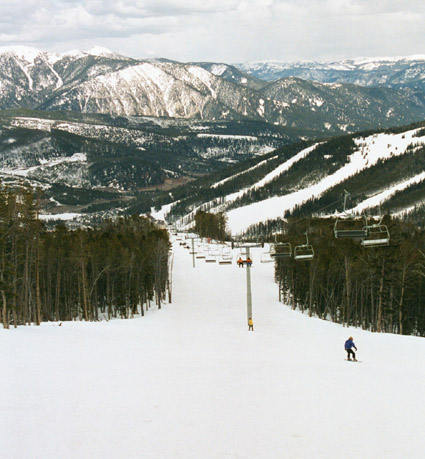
{"x":228,"y":31}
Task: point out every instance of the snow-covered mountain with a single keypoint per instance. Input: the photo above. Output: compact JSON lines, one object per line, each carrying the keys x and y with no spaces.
{"x":102,"y":82}
{"x":395,"y":72}
{"x":106,"y":122}
{"x":29,"y":77}
{"x":383,"y":171}
{"x":232,"y":73}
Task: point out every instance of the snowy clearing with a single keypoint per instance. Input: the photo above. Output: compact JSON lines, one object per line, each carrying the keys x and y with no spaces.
{"x":63,"y":216}
{"x":190,"y":381}
{"x":261,"y":163}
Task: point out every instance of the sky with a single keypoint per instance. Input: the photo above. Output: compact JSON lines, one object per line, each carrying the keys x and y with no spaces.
{"x":230,"y":31}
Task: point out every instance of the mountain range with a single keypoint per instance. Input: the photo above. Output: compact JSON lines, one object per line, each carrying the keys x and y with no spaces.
{"x":100,"y":132}
{"x":398,"y":72}
{"x":103,"y":82}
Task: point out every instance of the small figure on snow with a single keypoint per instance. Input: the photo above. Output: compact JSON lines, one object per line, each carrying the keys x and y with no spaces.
{"x":349,"y":344}
{"x":250,"y":324}
{"x":248,"y":262}
{"x":240,"y":262}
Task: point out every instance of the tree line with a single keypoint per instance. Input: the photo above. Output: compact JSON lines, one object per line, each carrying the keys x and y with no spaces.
{"x":211,"y":225}
{"x":380,"y":289}
{"x":116,"y":269}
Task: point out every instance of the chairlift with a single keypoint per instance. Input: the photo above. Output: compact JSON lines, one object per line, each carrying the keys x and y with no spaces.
{"x":225,"y":260}
{"x":210,"y":258}
{"x":350,"y":226}
{"x":266,"y":257}
{"x":304,"y":251}
{"x":377,"y":235}
{"x":281,"y":250}
{"x":226,"y":256}
{"x":214,"y":252}
{"x":243,"y":256}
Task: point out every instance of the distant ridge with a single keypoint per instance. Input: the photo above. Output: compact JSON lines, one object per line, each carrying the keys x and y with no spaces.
{"x":98,"y":81}
{"x":394,"y":72}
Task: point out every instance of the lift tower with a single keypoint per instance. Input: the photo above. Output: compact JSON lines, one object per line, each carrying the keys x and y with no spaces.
{"x":245,"y":251}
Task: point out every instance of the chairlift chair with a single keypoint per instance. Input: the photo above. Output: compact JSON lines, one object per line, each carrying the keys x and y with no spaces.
{"x":213,"y":251}
{"x":377,"y":236}
{"x":226,"y":256}
{"x":200,"y":253}
{"x":281,"y":250}
{"x":304,"y":251}
{"x":350,"y":226}
{"x":210,"y":258}
{"x":211,"y":254}
{"x":226,"y":249}
{"x":225,"y":260}
{"x":243,"y":255}
{"x":266,"y":257}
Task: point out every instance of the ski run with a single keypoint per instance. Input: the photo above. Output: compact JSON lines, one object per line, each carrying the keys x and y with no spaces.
{"x":370,"y":150}
{"x":189,"y":381}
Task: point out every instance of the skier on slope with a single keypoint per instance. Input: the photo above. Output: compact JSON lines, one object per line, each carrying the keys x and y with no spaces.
{"x":349,"y":344}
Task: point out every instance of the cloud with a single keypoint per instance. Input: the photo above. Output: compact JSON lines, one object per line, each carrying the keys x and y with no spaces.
{"x":220,"y":30}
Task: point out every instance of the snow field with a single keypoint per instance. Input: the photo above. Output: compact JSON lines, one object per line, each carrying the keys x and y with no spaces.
{"x":370,"y":150}
{"x":190,"y":381}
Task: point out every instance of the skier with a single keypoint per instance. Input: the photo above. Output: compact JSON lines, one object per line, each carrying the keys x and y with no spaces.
{"x":349,"y":344}
{"x":240,"y":262}
{"x":249,"y":262}
{"x":250,"y":324}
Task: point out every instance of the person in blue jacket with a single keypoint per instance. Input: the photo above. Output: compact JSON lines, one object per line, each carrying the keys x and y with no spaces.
{"x":349,"y":344}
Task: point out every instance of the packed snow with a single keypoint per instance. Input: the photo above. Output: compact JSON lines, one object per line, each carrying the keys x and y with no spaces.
{"x":268,"y":177}
{"x":190,"y":381}
{"x":163,"y":211}
{"x":261,"y":163}
{"x":369,"y":151}
{"x":383,"y":196}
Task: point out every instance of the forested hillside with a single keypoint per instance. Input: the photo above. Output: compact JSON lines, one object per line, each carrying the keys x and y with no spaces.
{"x":92,"y":163}
{"x":382,"y":170}
{"x":376,"y":288}
{"x":115,"y":269}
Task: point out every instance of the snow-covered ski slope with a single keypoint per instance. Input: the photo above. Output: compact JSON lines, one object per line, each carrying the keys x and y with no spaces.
{"x":369,"y":151}
{"x":190,"y":381}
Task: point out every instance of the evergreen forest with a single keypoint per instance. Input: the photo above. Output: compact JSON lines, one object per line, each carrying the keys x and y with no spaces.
{"x":380,"y":289}
{"x":115,"y":269}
